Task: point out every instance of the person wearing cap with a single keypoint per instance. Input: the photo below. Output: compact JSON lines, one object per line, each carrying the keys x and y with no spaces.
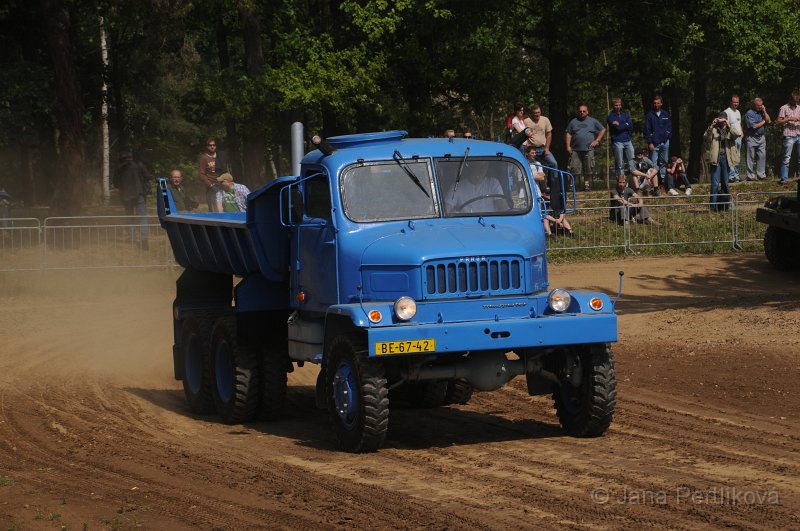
{"x":231,"y":196}
{"x":722,"y":155}
{"x":644,"y":174}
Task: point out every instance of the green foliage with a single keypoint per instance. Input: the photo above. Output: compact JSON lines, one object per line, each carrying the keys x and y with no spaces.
{"x":178,"y":71}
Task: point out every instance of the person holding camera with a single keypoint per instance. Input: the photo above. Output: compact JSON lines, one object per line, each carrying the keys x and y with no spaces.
{"x":755,"y":121}
{"x":722,"y":155}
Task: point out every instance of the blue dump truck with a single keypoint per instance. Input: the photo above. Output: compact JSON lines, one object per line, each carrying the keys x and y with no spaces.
{"x":411,"y":271}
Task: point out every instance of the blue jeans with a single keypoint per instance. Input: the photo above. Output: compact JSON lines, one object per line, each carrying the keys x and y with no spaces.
{"x":789,"y":143}
{"x":735,"y":167}
{"x":547,"y":160}
{"x":682,"y":177}
{"x":137,"y":207}
{"x":623,"y":149}
{"x":719,"y":181}
{"x":659,"y":157}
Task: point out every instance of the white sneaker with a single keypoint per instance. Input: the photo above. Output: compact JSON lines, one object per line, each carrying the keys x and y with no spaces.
{"x":688,"y":191}
{"x":672,"y":191}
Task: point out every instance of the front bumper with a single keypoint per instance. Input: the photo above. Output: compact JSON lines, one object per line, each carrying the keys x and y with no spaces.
{"x":505,"y":335}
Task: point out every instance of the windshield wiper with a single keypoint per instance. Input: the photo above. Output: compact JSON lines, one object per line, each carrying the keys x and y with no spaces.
{"x":460,"y":169}
{"x":403,"y":164}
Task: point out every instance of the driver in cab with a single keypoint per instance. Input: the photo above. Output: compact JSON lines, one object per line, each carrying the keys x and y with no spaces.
{"x":475,"y":191}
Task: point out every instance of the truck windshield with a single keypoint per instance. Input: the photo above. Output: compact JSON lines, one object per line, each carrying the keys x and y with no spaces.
{"x":384,"y":191}
{"x":485,"y":187}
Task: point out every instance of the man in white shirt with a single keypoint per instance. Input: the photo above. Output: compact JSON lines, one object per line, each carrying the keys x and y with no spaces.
{"x":735,"y":123}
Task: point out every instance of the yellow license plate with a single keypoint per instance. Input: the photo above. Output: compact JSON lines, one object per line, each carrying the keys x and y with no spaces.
{"x":405,"y":347}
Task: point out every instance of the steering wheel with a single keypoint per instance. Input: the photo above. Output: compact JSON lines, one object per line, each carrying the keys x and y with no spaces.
{"x":481,"y":197}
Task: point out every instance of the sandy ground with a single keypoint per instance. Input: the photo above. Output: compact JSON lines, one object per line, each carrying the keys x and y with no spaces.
{"x":95,"y":433}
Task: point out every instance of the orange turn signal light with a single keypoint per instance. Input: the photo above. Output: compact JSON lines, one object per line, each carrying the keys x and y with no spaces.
{"x":596,"y":303}
{"x":301,"y":296}
{"x":375,"y":316}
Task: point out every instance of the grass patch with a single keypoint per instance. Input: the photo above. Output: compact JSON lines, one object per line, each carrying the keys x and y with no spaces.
{"x":6,"y":482}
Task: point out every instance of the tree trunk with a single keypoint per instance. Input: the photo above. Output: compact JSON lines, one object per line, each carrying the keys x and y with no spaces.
{"x":69,"y":191}
{"x":232,"y":143}
{"x":698,"y":114}
{"x":106,"y":184}
{"x":253,"y":137}
{"x":673,"y":105}
{"x":558,"y":66}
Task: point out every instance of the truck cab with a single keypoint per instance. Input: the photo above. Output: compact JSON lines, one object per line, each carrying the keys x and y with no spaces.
{"x":412,"y":270}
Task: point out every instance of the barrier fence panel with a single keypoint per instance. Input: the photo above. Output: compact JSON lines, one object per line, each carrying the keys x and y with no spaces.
{"x":104,"y":241}
{"x":20,"y":248}
{"x":592,"y":229}
{"x":749,"y":232}
{"x":685,"y":221}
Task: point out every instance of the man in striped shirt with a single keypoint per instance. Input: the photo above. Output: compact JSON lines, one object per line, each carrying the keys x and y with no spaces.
{"x":231,"y":197}
{"x":789,"y":118}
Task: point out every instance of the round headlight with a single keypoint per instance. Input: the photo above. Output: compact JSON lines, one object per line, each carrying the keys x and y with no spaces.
{"x":405,"y":308}
{"x":559,"y":300}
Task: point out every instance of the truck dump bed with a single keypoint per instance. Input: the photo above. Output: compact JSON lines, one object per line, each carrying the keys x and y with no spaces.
{"x":237,"y":243}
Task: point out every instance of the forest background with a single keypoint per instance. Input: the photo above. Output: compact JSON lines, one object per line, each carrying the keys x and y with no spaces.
{"x":167,"y":74}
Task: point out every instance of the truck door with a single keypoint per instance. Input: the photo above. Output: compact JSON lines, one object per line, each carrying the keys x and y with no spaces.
{"x":314,"y":250}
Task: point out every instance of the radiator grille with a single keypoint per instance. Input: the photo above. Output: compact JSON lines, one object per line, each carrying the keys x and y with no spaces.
{"x":494,"y":275}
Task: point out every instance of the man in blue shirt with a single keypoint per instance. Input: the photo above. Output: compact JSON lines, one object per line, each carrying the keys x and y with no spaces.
{"x":620,"y":124}
{"x":657,"y":133}
{"x":584,"y":133}
{"x":755,"y":121}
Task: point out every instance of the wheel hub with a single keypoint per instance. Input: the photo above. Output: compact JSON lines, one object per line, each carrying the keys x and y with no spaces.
{"x":345,"y":395}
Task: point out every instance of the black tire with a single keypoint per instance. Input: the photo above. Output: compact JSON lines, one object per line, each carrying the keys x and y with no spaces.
{"x":587,"y":410}
{"x":459,"y":391}
{"x":357,"y":395}
{"x":236,"y":374}
{"x":196,"y":354}
{"x":274,"y":367}
{"x":782,"y":248}
{"x":427,"y":394}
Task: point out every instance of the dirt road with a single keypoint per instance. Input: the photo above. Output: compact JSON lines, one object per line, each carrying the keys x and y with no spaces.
{"x":707,"y":431}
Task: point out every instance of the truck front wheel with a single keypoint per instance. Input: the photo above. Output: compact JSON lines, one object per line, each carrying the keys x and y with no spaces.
{"x":358,"y":396}
{"x":236,"y":375}
{"x":587,"y":395}
{"x":782,"y":248}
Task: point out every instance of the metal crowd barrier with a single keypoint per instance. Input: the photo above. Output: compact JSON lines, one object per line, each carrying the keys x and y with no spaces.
{"x":20,"y":248}
{"x":115,"y":241}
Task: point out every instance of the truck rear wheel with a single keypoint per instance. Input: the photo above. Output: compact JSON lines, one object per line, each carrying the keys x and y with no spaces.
{"x":236,"y":374}
{"x":459,"y":391}
{"x":274,"y":365}
{"x":586,"y":409}
{"x":358,"y":396}
{"x":196,"y":353}
{"x":428,"y":394}
{"x":782,"y":248}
